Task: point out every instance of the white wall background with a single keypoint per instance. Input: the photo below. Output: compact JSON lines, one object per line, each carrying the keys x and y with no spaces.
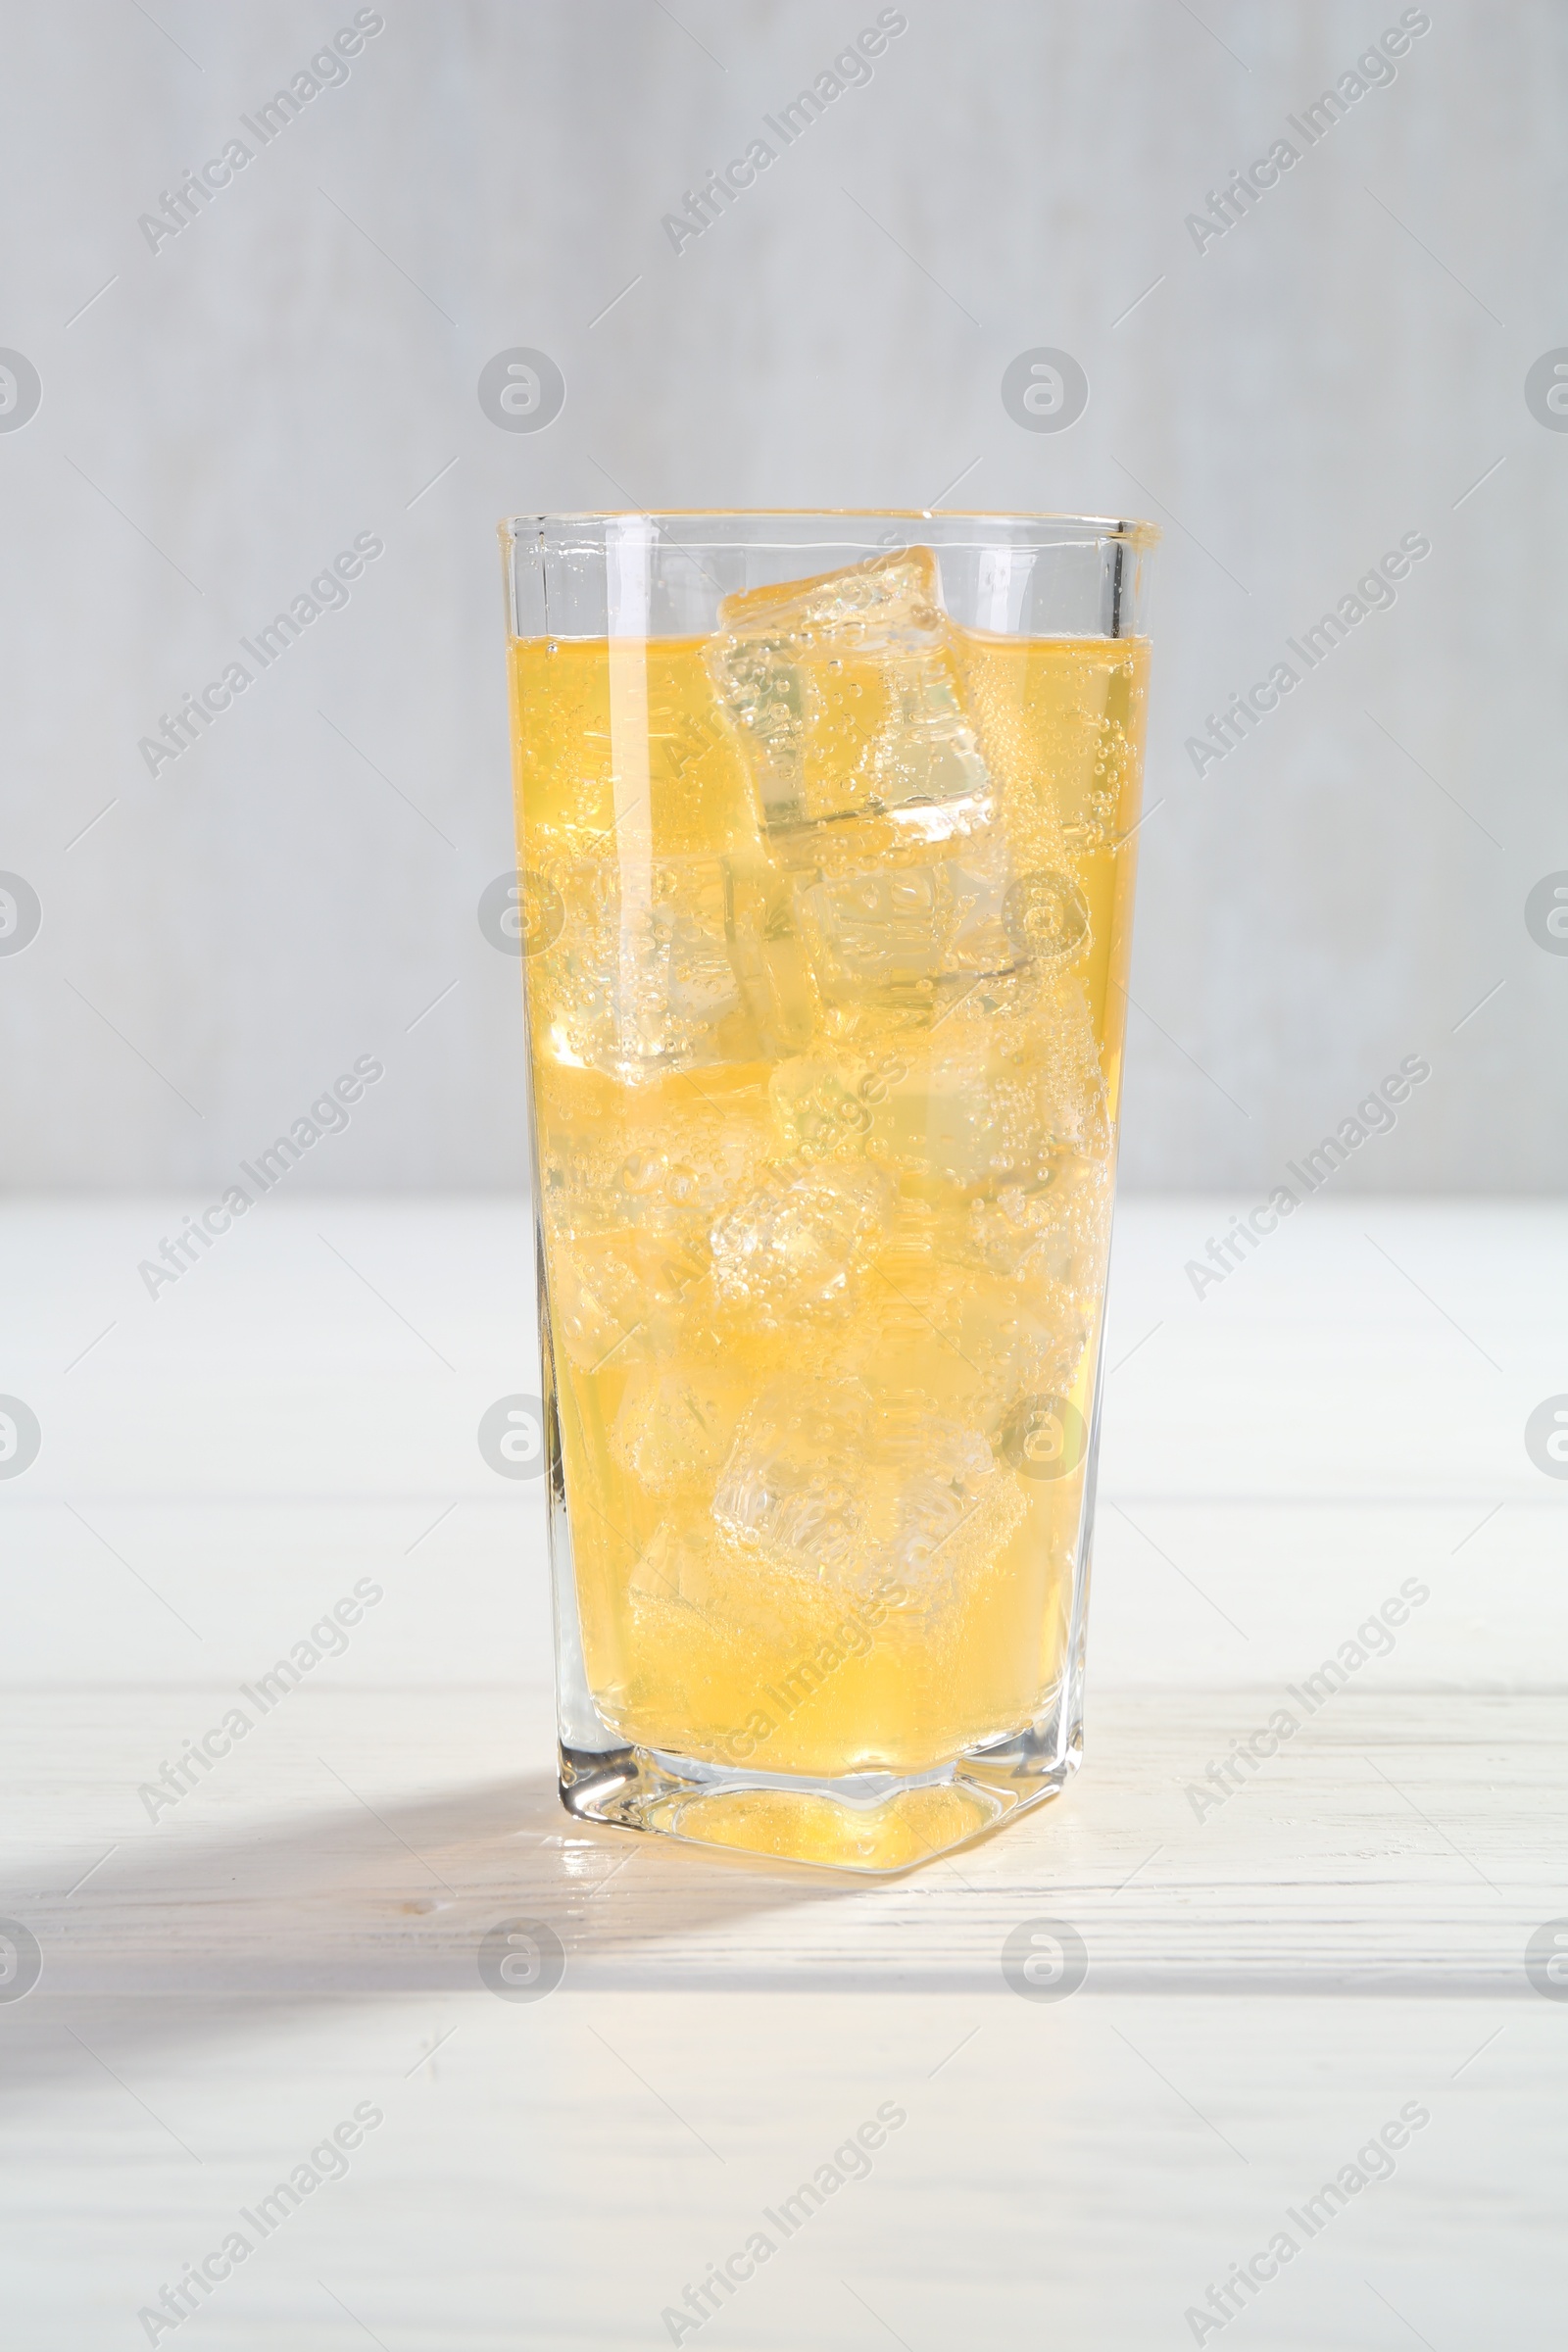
{"x":300,"y":363}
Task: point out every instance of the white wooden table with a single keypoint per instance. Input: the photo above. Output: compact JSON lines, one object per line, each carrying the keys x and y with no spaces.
{"x":1268,"y":1986}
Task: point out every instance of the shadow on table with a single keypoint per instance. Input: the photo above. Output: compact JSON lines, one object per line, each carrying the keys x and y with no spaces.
{"x":167,"y":1935}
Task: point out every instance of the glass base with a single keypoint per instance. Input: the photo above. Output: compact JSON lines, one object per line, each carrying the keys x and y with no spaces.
{"x":874,"y":1822}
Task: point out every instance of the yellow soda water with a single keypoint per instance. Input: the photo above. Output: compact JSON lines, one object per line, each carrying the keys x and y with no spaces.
{"x":826,"y":923}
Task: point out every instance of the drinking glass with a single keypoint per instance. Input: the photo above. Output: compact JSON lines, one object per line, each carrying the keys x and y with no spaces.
{"x":827,"y":837}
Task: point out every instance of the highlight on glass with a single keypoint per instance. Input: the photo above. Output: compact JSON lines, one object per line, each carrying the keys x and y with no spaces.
{"x":826,"y":836}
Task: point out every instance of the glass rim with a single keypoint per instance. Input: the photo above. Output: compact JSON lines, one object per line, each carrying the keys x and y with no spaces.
{"x":1129,"y":531}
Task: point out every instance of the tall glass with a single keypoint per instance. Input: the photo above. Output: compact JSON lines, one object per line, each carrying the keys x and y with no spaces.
{"x":826,"y":836}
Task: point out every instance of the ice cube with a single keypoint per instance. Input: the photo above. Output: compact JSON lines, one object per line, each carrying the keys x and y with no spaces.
{"x":846,"y":693}
{"x":1014,"y":1337}
{"x":970,"y":1339}
{"x":979,"y":1113}
{"x":797,"y":1245}
{"x":658,"y":966}
{"x":910,"y":935}
{"x":1057,"y":1229}
{"x":693,"y":1580}
{"x":821,"y":1101}
{"x":607,"y":1288}
{"x":769,"y":954}
{"x":988,"y":1095}
{"x":938,"y":1489}
{"x":792,"y":1485}
{"x":878,"y":1494}
{"x":666,"y":1159}
{"x":639,"y":980}
{"x":676,"y":1423}
{"x":699,"y":1603}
